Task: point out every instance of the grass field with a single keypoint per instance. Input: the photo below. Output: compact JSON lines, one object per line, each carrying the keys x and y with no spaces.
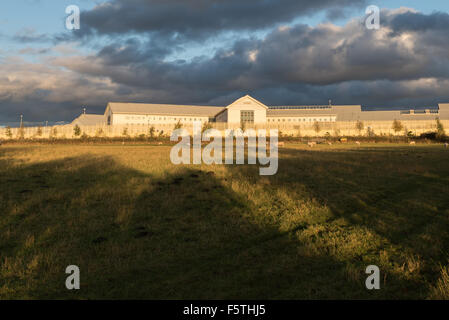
{"x":140,"y":227}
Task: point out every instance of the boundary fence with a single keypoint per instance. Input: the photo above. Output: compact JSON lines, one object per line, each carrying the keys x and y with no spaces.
{"x":317,"y":129}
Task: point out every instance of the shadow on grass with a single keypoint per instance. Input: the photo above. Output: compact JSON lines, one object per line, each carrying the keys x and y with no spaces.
{"x":188,"y":235}
{"x":185,"y":236}
{"x":395,"y":199}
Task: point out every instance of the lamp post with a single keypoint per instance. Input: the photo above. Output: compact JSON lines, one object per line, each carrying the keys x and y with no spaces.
{"x":21,"y":120}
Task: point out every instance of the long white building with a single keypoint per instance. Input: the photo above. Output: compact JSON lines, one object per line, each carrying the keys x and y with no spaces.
{"x":250,"y":111}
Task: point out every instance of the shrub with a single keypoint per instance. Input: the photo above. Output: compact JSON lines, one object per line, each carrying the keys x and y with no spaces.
{"x":428,"y":135}
{"x":99,"y":132}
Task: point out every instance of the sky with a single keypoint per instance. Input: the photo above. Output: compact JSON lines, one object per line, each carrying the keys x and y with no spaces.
{"x":211,"y":52}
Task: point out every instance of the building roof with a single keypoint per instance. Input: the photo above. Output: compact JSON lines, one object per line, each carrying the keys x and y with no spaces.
{"x":395,"y":114}
{"x":164,"y":109}
{"x":89,"y":120}
{"x":278,"y":112}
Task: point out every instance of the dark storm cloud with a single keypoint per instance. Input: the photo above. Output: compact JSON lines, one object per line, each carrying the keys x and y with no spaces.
{"x":321,"y":55}
{"x":200,"y":18}
{"x":405,"y":63}
{"x":300,"y":58}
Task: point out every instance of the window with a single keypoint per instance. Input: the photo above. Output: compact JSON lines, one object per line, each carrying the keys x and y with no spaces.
{"x":247,"y":116}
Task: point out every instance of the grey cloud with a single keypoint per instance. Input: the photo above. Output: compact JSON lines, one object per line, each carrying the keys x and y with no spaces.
{"x":30,"y":36}
{"x":418,"y":22}
{"x":199,"y":18}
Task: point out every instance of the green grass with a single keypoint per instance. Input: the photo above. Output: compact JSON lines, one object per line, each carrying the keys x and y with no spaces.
{"x":140,"y":227}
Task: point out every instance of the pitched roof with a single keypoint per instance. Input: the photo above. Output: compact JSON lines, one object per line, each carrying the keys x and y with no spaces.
{"x":89,"y":120}
{"x":247,"y":97}
{"x":164,"y":109}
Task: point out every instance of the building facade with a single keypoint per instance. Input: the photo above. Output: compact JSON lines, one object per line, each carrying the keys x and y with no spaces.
{"x":250,"y":111}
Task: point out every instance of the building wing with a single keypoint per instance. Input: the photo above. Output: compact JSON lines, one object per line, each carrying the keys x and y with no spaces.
{"x":164,"y":109}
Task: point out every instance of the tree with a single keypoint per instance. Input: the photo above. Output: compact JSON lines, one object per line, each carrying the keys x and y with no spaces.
{"x":54,"y":132}
{"x":178,"y":125}
{"x":370,"y":132}
{"x":8,"y":132}
{"x":39,"y":131}
{"x":397,"y":126}
{"x":151,"y":132}
{"x":77,"y":131}
{"x":359,"y":126}
{"x":440,"y":130}
{"x":316,"y":127}
{"x":125,"y":132}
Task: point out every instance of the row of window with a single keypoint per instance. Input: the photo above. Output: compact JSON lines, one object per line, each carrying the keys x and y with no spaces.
{"x":245,"y":116}
{"x":301,"y":120}
{"x":148,"y":118}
